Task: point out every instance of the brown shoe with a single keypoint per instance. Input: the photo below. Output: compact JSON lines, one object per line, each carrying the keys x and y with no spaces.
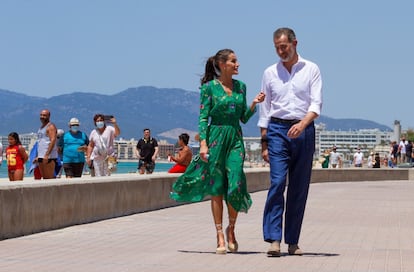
{"x":274,"y":250}
{"x":295,"y":250}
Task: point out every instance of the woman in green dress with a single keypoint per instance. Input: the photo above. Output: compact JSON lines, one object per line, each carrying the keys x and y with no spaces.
{"x":218,"y":170}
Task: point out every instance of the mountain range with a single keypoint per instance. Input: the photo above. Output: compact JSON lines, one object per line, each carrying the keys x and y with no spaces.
{"x":166,"y":111}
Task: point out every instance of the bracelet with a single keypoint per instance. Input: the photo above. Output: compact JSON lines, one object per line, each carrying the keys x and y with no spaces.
{"x":263,"y":139}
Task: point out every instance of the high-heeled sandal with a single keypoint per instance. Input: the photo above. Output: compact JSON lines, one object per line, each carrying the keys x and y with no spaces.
{"x":221,"y":249}
{"x":232,"y":246}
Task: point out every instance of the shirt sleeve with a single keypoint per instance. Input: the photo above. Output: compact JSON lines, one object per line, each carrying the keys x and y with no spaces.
{"x":205,"y":107}
{"x":316,"y":91}
{"x":264,"y":107}
{"x":247,"y":112}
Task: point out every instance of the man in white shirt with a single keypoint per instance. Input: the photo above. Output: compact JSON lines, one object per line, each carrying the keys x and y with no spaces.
{"x":402,"y":149}
{"x":358,"y":158}
{"x":334,"y":158}
{"x":293,"y":89}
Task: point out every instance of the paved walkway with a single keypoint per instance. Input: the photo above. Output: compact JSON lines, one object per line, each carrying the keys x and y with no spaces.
{"x":359,"y":227}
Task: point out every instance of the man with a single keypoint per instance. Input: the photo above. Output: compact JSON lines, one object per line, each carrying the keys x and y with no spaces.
{"x":334,"y":158}
{"x":147,"y":151}
{"x":358,"y":158}
{"x":293,"y":89}
{"x":46,"y":146}
{"x":402,"y":148}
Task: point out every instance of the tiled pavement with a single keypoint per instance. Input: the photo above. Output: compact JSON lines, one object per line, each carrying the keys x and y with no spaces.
{"x":360,"y":227}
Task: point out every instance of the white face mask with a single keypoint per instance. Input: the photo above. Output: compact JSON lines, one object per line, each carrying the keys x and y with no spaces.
{"x":100,"y":124}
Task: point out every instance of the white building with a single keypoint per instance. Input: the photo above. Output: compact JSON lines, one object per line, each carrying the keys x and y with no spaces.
{"x":347,"y":142}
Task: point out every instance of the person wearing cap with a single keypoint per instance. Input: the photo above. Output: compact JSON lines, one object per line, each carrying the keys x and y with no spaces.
{"x":72,"y":145}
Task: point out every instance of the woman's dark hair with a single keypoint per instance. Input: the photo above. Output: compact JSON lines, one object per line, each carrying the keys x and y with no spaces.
{"x":184,"y":137}
{"x":97,"y":116}
{"x":212,"y":69}
{"x":15,"y":136}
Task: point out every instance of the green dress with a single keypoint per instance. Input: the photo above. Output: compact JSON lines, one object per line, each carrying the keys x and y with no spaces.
{"x":219,"y":125}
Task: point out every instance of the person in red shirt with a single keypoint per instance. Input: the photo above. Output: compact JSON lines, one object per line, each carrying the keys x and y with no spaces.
{"x":16,"y":157}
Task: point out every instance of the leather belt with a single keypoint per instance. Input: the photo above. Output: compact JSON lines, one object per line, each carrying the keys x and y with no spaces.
{"x":284,"y":121}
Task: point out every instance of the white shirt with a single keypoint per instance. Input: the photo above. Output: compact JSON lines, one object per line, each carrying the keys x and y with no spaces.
{"x":290,"y":95}
{"x":358,"y":156}
{"x":402,"y":146}
{"x":103,"y":143}
{"x":334,"y":157}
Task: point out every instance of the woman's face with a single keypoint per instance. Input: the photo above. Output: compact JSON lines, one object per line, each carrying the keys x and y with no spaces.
{"x":231,"y":66}
{"x":12,"y":141}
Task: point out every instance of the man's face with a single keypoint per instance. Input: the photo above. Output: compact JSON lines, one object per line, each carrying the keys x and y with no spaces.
{"x":44,"y":117}
{"x":284,"y":48}
{"x":147,"y":134}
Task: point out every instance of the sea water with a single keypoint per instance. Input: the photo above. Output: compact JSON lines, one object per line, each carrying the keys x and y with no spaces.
{"x":123,"y":167}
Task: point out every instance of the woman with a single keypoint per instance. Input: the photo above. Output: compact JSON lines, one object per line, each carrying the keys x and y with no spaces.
{"x":218,"y":170}
{"x":183,"y":157}
{"x":16,"y":157}
{"x":72,"y":146}
{"x":101,"y":145}
{"x":325,"y":159}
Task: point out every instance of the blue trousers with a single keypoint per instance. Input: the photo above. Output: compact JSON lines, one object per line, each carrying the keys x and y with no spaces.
{"x":290,"y":159}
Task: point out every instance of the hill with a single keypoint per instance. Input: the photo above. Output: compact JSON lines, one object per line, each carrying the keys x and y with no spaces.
{"x":163,"y":110}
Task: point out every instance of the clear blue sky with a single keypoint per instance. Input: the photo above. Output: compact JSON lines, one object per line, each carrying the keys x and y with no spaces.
{"x":364,"y":48}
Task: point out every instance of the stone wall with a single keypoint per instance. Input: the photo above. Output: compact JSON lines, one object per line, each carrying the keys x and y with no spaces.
{"x":34,"y":206}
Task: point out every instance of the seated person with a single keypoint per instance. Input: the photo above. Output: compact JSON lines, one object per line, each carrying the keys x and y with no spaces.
{"x":184,"y":155}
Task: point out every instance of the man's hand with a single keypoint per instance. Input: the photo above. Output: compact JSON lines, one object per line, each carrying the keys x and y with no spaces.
{"x":265,"y":154}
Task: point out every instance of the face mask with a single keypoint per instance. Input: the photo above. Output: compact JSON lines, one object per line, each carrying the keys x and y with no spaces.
{"x":74,"y":128}
{"x":100,"y":124}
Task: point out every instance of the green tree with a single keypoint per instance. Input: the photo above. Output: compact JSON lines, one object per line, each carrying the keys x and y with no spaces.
{"x":410,"y":135}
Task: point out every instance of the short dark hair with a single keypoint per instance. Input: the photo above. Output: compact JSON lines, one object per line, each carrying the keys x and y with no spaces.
{"x":96,"y":117}
{"x":146,"y":129}
{"x":285,"y":31}
{"x":184,"y":137}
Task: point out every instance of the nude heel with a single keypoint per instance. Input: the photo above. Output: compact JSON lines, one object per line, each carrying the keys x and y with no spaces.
{"x":221,"y":249}
{"x":232,"y":246}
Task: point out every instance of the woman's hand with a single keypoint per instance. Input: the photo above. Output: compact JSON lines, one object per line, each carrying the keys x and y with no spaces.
{"x":259,"y":97}
{"x":204,"y":152}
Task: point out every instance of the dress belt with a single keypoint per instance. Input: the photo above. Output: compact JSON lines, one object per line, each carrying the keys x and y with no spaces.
{"x":284,"y":121}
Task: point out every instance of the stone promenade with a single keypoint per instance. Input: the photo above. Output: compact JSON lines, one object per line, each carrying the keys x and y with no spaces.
{"x":348,"y":226}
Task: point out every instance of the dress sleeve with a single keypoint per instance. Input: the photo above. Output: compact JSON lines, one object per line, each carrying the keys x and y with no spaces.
{"x":205,"y":106}
{"x":247,"y":112}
